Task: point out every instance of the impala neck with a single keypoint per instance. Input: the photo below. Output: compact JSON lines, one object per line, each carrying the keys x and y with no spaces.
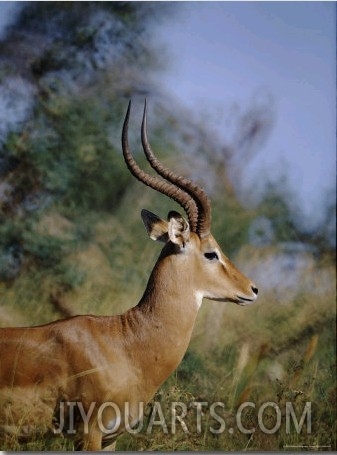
{"x":170,"y":293}
{"x":166,"y":314}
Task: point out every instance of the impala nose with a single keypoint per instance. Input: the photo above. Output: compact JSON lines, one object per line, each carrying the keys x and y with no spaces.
{"x":255,"y":290}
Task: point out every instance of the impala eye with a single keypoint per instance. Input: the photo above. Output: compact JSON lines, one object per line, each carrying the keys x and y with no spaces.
{"x":211,"y":256}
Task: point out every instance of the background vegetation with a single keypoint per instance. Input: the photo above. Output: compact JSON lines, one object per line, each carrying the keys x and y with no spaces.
{"x":71,"y":239}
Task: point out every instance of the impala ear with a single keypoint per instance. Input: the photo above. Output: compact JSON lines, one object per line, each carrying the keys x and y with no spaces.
{"x":178,"y":229}
{"x":156,"y":228}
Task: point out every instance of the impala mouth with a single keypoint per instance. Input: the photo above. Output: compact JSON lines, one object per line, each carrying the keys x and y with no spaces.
{"x":244,"y":300}
{"x":239,"y":300}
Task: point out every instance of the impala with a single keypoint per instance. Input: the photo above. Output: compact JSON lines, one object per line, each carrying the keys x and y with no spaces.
{"x":123,"y":359}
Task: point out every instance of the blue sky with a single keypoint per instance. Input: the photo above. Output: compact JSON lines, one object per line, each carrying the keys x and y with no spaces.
{"x":225,"y":53}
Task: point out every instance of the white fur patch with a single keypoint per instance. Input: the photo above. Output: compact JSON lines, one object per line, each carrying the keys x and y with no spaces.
{"x":199,"y":295}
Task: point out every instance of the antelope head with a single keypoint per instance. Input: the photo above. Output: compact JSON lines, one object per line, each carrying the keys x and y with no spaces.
{"x":189,"y":243}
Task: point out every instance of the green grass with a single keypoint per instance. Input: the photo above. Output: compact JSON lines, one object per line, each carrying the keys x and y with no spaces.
{"x":268,"y":352}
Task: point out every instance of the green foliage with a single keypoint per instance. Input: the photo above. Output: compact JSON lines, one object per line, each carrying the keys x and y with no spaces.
{"x":68,"y":154}
{"x":78,"y":162}
{"x":230,"y":223}
{"x":288,"y":222}
{"x":275,"y":206}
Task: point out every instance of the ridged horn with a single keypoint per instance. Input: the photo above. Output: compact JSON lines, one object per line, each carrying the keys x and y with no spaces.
{"x":169,"y":189}
{"x":202,"y":201}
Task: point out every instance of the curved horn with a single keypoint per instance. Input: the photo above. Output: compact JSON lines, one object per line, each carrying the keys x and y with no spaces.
{"x":202,"y":201}
{"x":169,"y":189}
